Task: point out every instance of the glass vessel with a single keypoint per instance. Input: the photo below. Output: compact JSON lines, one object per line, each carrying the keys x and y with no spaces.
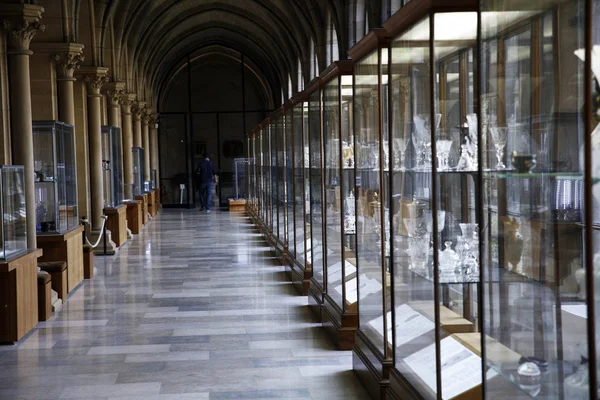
{"x":112,"y":167}
{"x":139,"y":187}
{"x":14,"y":223}
{"x":55,"y":177}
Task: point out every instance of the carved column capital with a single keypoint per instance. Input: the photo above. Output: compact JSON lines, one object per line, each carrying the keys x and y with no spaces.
{"x":67,"y":64}
{"x":127,"y":101}
{"x":153,"y":119}
{"x":139,"y":110}
{"x":20,"y":32}
{"x":94,"y":78}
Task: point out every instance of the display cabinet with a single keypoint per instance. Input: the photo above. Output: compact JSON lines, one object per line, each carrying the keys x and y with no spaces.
{"x":372,"y":351}
{"x":289,"y":178}
{"x":279,"y":189}
{"x":315,"y":172}
{"x":55,"y":177}
{"x":13,"y":236}
{"x":112,"y":167}
{"x":138,"y":171}
{"x":435,"y":208}
{"x":340,"y":305}
{"x":539,"y":102}
{"x":300,"y":268}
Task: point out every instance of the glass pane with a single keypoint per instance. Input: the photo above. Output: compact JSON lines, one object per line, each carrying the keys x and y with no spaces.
{"x":315,"y":186}
{"x":13,"y":210}
{"x":107,"y":165}
{"x":117,"y":167}
{"x":332,"y":182}
{"x":532,"y":87}
{"x":370,"y":214}
{"x":410,"y":80}
{"x":289,"y":174}
{"x":298,"y":120}
{"x":273,"y":176}
{"x":306,"y":164}
{"x":452,"y":220}
{"x":595,"y":160}
{"x":46,"y":200}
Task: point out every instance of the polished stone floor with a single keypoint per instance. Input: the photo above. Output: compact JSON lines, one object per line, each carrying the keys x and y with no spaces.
{"x":195,"y":307}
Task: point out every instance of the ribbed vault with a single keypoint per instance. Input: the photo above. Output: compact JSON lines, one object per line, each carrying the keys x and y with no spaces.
{"x":150,"y":39}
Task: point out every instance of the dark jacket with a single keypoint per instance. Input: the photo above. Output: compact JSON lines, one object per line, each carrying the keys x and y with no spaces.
{"x":206,"y":171}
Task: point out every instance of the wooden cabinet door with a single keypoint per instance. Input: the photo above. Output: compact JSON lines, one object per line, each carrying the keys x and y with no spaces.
{"x":4,"y":306}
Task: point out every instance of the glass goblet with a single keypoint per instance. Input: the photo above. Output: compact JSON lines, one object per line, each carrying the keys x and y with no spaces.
{"x":499,"y":135}
{"x":400,"y":145}
{"x":443,"y":153}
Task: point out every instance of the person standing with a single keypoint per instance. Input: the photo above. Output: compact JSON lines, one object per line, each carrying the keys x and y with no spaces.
{"x":206,"y":179}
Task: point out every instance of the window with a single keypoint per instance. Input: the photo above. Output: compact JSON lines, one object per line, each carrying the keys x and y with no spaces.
{"x":300,"y":77}
{"x":333,"y":52}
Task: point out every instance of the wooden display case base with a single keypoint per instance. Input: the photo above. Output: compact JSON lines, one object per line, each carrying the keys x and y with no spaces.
{"x":117,"y":224}
{"x":144,"y":202}
{"x":88,"y":262}
{"x":134,"y":216}
{"x":157,"y":199}
{"x":315,"y":299}
{"x":300,"y":277}
{"x":370,"y":369}
{"x":152,"y":210}
{"x":18,"y":296}
{"x":67,"y":247}
{"x":341,"y":326}
{"x":237,"y":205}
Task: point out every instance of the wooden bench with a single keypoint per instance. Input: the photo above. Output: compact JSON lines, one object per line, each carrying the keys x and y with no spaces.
{"x":44,"y":296}
{"x":58,"y":272}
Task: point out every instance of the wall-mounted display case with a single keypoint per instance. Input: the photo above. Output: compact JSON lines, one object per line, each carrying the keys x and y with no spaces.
{"x":301,"y":269}
{"x":289,"y":179}
{"x":340,"y":311}
{"x":112,"y":167}
{"x":315,"y":172}
{"x":373,"y":351}
{"x":55,"y":177}
{"x":14,"y":225}
{"x":139,"y":185}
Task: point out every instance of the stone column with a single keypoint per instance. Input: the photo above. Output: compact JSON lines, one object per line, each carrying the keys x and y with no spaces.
{"x":127,"y":102}
{"x":146,"y":145}
{"x":114,"y":92}
{"x":138,"y":112}
{"x":21,"y":23}
{"x":154,"y":148}
{"x":66,"y":64}
{"x":95,"y":78}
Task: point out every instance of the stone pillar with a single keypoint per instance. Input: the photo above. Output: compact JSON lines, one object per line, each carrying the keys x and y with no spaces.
{"x":66,"y":64}
{"x":95,"y":78}
{"x":114,"y":93}
{"x":21,"y":23}
{"x":138,"y":112}
{"x":127,"y":102}
{"x":154,"y":148}
{"x":146,"y":145}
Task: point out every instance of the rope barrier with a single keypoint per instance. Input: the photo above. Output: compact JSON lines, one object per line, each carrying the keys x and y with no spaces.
{"x":85,"y":221}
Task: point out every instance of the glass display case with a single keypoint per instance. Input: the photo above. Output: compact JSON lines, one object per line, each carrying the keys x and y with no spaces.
{"x":537,"y":98}
{"x":241,"y":171}
{"x":341,"y":300}
{"x":301,"y":269}
{"x":112,"y":167}
{"x":315,"y":162}
{"x":55,"y":177}
{"x":139,"y":185}
{"x":373,"y":351}
{"x":289,"y":179}
{"x":281,"y":182}
{"x":14,"y":225}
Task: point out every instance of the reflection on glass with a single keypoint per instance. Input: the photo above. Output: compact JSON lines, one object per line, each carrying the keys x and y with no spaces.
{"x":298,"y":134}
{"x":316,"y":177}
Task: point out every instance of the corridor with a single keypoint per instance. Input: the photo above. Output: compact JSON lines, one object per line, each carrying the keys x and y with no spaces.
{"x":195,"y":307}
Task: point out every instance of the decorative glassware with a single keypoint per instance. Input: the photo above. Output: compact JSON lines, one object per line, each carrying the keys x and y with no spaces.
{"x":348,"y":154}
{"x":449,"y":261}
{"x":350,"y":215}
{"x":400,"y":145}
{"x":419,"y":255}
{"x":468,"y":230}
{"x":499,"y":135}
{"x":443,"y":153}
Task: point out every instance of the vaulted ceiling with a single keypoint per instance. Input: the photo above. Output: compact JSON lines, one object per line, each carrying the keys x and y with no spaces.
{"x":153,"y":37}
